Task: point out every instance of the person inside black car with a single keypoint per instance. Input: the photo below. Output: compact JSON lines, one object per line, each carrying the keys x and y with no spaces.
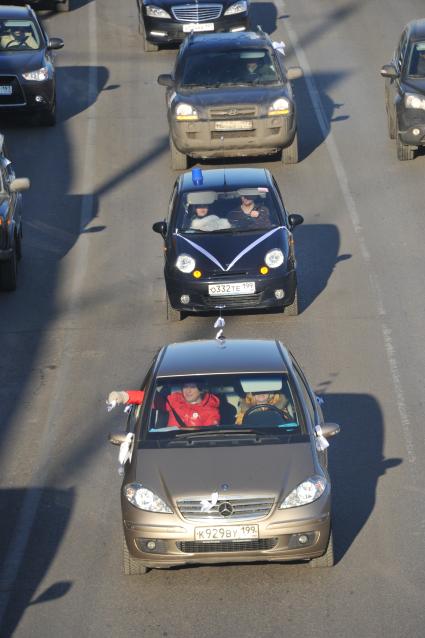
{"x":249,"y":215}
{"x":17,"y":37}
{"x":204,"y":221}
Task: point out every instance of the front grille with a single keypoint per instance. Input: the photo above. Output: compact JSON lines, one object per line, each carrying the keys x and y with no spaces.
{"x":239,"y":111}
{"x":218,"y":135}
{"x":236,"y":301}
{"x":243,"y":508}
{"x":197,"y":547}
{"x":196,"y":12}
{"x":16,"y":98}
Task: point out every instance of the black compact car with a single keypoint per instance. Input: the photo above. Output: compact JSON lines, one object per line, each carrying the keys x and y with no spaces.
{"x":170,"y":21}
{"x":10,"y":221}
{"x":244,"y":480}
{"x":230,"y":95}
{"x":229,"y":243}
{"x":27,"y":73}
{"x":405,"y":91}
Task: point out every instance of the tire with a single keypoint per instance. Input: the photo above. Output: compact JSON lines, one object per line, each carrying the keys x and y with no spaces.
{"x":293,"y":309}
{"x":290,"y":153}
{"x":8,"y":273}
{"x":178,"y":160}
{"x":172,"y":314}
{"x":328,"y":558}
{"x":62,"y":7}
{"x":131,"y":566}
{"x":404,"y":151}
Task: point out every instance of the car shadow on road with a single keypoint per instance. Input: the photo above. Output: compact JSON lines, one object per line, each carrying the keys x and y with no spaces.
{"x":53,"y":513}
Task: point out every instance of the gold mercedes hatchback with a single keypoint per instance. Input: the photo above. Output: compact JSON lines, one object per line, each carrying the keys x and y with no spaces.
{"x":224,"y":459}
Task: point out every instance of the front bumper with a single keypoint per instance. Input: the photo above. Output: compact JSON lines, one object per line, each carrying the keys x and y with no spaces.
{"x":411,"y":126}
{"x":27,"y":96}
{"x":200,"y":300}
{"x":160,"y":31}
{"x":199,"y":139}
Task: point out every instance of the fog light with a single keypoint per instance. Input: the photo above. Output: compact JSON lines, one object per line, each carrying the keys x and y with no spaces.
{"x":159,"y":34}
{"x":279,"y":293}
{"x":264,"y":270}
{"x":151,"y":545}
{"x":302,"y":539}
{"x":416,"y":131}
{"x":184,"y":299}
{"x":237,"y":29}
{"x":197,"y":274}
{"x":39,"y":98}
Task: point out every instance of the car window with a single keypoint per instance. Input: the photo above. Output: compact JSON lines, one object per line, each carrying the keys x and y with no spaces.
{"x":417,"y":60}
{"x":18,"y":35}
{"x":216,"y":68}
{"x":243,"y":209}
{"x":311,"y":406}
{"x":236,"y":404}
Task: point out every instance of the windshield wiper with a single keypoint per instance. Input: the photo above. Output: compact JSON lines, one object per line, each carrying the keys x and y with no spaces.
{"x":218,"y":432}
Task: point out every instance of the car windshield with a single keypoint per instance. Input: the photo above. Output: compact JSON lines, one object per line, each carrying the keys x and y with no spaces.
{"x":18,"y":35}
{"x":417,"y":60}
{"x":239,"y":407}
{"x":217,"y":68}
{"x":241,"y":210}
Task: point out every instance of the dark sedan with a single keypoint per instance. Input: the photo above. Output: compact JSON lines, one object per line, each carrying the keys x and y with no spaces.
{"x":230,"y":96}
{"x":27,"y":73}
{"x":405,"y":91}
{"x":54,"y":5}
{"x":244,"y":478}
{"x":170,"y":21}
{"x":229,"y":243}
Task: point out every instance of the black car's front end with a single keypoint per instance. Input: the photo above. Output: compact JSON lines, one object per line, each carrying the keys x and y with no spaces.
{"x":170,"y":21}
{"x":27,"y":85}
{"x":411,"y":112}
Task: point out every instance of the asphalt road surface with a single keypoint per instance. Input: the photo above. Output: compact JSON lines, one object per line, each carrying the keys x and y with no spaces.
{"x":89,"y":313}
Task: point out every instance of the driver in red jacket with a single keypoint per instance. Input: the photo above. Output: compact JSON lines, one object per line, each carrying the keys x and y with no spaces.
{"x":192,"y":407}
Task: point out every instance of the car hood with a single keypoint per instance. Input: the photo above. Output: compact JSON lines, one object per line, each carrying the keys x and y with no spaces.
{"x":415,"y":85}
{"x":21,"y":61}
{"x":231,"y":95}
{"x":228,"y":251}
{"x":247,"y":470}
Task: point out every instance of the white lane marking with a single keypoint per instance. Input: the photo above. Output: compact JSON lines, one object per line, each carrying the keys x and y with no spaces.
{"x":28,"y":512}
{"x":342,"y":178}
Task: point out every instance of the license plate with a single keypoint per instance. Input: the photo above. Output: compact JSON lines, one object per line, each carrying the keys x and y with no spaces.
{"x":232,"y":125}
{"x":242,"y":288}
{"x":6,"y":89}
{"x":226,"y":533}
{"x":198,"y":26}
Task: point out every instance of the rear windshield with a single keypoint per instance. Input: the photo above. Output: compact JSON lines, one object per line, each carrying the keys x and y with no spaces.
{"x":238,"y":407}
{"x":220,"y":68}
{"x":417,"y":60}
{"x":243,"y":209}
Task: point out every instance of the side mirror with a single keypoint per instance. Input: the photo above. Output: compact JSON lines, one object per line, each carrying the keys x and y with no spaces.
{"x":330,"y":429}
{"x":19,"y":184}
{"x":116,"y":438}
{"x":55,"y":43}
{"x":294,"y":73}
{"x":295,"y":220}
{"x":165,"y":79}
{"x":160,"y":227}
{"x":389,"y":71}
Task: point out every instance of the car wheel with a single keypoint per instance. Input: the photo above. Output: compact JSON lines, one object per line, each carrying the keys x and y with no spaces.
{"x":328,"y":558}
{"x":172,"y":313}
{"x":290,"y":153}
{"x":62,"y":6}
{"x":8,"y":273}
{"x":131,"y":566}
{"x":178,"y":160}
{"x":293,"y":309}
{"x":404,"y":151}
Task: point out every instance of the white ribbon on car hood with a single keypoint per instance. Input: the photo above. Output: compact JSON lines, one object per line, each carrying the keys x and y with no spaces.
{"x":243,"y":252}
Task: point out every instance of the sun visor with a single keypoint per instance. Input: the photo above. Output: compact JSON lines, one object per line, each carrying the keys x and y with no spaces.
{"x":251,"y":192}
{"x":201,"y":197}
{"x":261,"y":384}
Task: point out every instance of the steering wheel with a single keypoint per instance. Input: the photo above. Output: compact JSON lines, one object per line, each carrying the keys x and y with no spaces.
{"x":15,"y":45}
{"x":263,"y":414}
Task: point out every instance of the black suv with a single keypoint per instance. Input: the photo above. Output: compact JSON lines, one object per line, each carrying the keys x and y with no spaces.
{"x":230,"y":96}
{"x":405,"y":91}
{"x":170,"y":21}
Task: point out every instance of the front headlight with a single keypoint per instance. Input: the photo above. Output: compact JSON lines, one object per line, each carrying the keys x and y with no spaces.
{"x":37,"y":76}
{"x":185,"y":112}
{"x":274,"y":258}
{"x":238,"y":7}
{"x":156,"y":12}
{"x":144,"y":499}
{"x":412,"y":101}
{"x":185,"y":263}
{"x":281,"y":106}
{"x":307,"y":492}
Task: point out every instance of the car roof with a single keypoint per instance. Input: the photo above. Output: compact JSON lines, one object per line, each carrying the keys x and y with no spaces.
{"x":225,"y":41}
{"x":417,"y":29}
{"x":213,"y":356}
{"x":15,"y":13}
{"x":231,"y":178}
